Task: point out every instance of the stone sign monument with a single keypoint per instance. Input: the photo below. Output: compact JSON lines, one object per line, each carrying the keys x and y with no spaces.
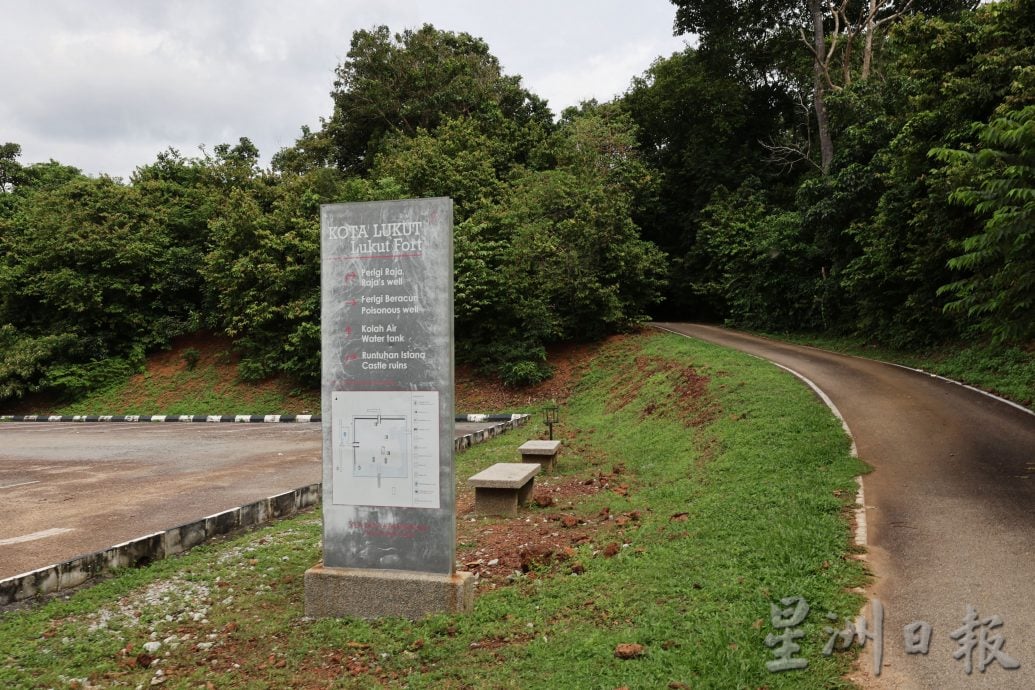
{"x":389,"y":527}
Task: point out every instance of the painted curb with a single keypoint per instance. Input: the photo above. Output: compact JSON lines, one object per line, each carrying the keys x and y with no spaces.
{"x":467,"y":440}
{"x":183,"y":418}
{"x":488,"y":417}
{"x":158,"y":545}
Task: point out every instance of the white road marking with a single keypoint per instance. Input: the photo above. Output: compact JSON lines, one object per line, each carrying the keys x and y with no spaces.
{"x":11,"y":486}
{"x":53,"y":532}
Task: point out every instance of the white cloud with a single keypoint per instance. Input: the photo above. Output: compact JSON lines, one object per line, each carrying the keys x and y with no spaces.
{"x":106,"y":85}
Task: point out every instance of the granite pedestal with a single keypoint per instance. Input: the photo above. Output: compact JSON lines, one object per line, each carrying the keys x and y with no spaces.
{"x":369,"y":593}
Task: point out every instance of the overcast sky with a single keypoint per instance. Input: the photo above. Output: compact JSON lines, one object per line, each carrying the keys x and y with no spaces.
{"x":105,"y":85}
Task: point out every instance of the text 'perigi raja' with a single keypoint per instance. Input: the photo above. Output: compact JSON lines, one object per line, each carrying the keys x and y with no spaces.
{"x":380,"y":237}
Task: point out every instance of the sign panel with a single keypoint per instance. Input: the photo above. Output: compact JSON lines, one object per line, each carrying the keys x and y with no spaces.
{"x":387,"y":360}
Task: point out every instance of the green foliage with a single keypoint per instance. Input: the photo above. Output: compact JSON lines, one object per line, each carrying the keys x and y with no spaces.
{"x":524,"y":373}
{"x":999,"y":290}
{"x":190,"y":358}
{"x":26,"y":359}
{"x":86,"y":265}
{"x":559,"y":257}
{"x":71,"y":381}
{"x":415,"y":81}
{"x":456,"y":161}
{"x":876,"y":235}
{"x":699,"y":127}
{"x":757,"y":267}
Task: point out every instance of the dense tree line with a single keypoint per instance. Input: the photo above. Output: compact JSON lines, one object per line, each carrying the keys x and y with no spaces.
{"x":861,"y":167}
{"x":911,"y":223}
{"x":96,"y":272}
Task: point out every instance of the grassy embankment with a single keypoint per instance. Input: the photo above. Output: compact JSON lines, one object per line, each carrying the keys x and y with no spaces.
{"x":197,"y":376}
{"x":1006,"y":371}
{"x":697,"y":487}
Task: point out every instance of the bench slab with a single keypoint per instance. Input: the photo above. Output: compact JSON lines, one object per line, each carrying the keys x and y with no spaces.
{"x":500,"y":489}
{"x":543,"y":453}
{"x":539,"y":447}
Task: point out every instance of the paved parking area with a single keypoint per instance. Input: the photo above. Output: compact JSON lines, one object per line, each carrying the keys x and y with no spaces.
{"x":68,"y":489}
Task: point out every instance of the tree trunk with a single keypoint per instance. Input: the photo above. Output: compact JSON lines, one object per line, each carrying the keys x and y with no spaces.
{"x":871,"y":25}
{"x":826,"y":145}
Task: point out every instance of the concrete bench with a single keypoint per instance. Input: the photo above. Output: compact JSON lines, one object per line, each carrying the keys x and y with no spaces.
{"x":500,"y":489}
{"x":542,"y":452}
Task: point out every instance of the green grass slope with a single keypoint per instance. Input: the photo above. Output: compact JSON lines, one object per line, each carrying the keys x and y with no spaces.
{"x":720,"y":485}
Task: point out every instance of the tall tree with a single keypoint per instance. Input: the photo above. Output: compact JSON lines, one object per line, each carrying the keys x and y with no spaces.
{"x":416,"y":80}
{"x":757,"y":40}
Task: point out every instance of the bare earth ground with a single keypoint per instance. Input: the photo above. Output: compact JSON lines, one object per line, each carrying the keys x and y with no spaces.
{"x":476,"y":393}
{"x":163,"y":382}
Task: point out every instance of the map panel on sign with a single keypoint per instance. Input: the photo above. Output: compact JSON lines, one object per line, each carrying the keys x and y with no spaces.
{"x":386,"y":448}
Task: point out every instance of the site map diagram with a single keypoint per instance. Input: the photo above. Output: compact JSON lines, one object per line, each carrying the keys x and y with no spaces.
{"x":386,"y":448}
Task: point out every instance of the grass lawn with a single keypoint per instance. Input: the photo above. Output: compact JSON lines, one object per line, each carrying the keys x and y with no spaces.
{"x":696,"y":488}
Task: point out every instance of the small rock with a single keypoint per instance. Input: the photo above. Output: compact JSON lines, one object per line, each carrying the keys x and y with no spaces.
{"x":494,"y":561}
{"x":543,"y":499}
{"x":629,"y":651}
{"x":152,"y":647}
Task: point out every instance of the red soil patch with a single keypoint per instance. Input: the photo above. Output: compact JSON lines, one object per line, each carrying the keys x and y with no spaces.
{"x":689,"y":399}
{"x":214,"y":355}
{"x":546,"y":535}
{"x":479,"y":393}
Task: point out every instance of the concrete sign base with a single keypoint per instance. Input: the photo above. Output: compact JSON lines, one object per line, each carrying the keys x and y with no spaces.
{"x":369,"y":593}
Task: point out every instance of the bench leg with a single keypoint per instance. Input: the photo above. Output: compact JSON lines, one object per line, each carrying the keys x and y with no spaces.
{"x":545,"y":461}
{"x":496,"y":501}
{"x":525,"y":492}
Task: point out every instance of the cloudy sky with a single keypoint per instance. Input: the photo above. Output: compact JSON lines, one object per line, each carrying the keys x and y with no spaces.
{"x":105,"y":85}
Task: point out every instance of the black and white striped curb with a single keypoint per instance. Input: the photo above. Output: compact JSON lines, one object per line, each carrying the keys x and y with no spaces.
{"x":237,"y":419}
{"x":155,"y":546}
{"x":186,"y":418}
{"x":489,"y":417}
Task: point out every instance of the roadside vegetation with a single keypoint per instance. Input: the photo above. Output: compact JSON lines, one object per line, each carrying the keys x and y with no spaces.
{"x":1006,"y":371}
{"x":696,"y":487}
{"x":197,"y":375}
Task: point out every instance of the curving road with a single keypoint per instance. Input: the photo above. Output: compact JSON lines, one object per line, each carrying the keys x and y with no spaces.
{"x":950,"y":510}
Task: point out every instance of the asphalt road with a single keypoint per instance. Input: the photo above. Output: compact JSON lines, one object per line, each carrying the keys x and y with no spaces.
{"x":68,"y":489}
{"x":950,"y":509}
